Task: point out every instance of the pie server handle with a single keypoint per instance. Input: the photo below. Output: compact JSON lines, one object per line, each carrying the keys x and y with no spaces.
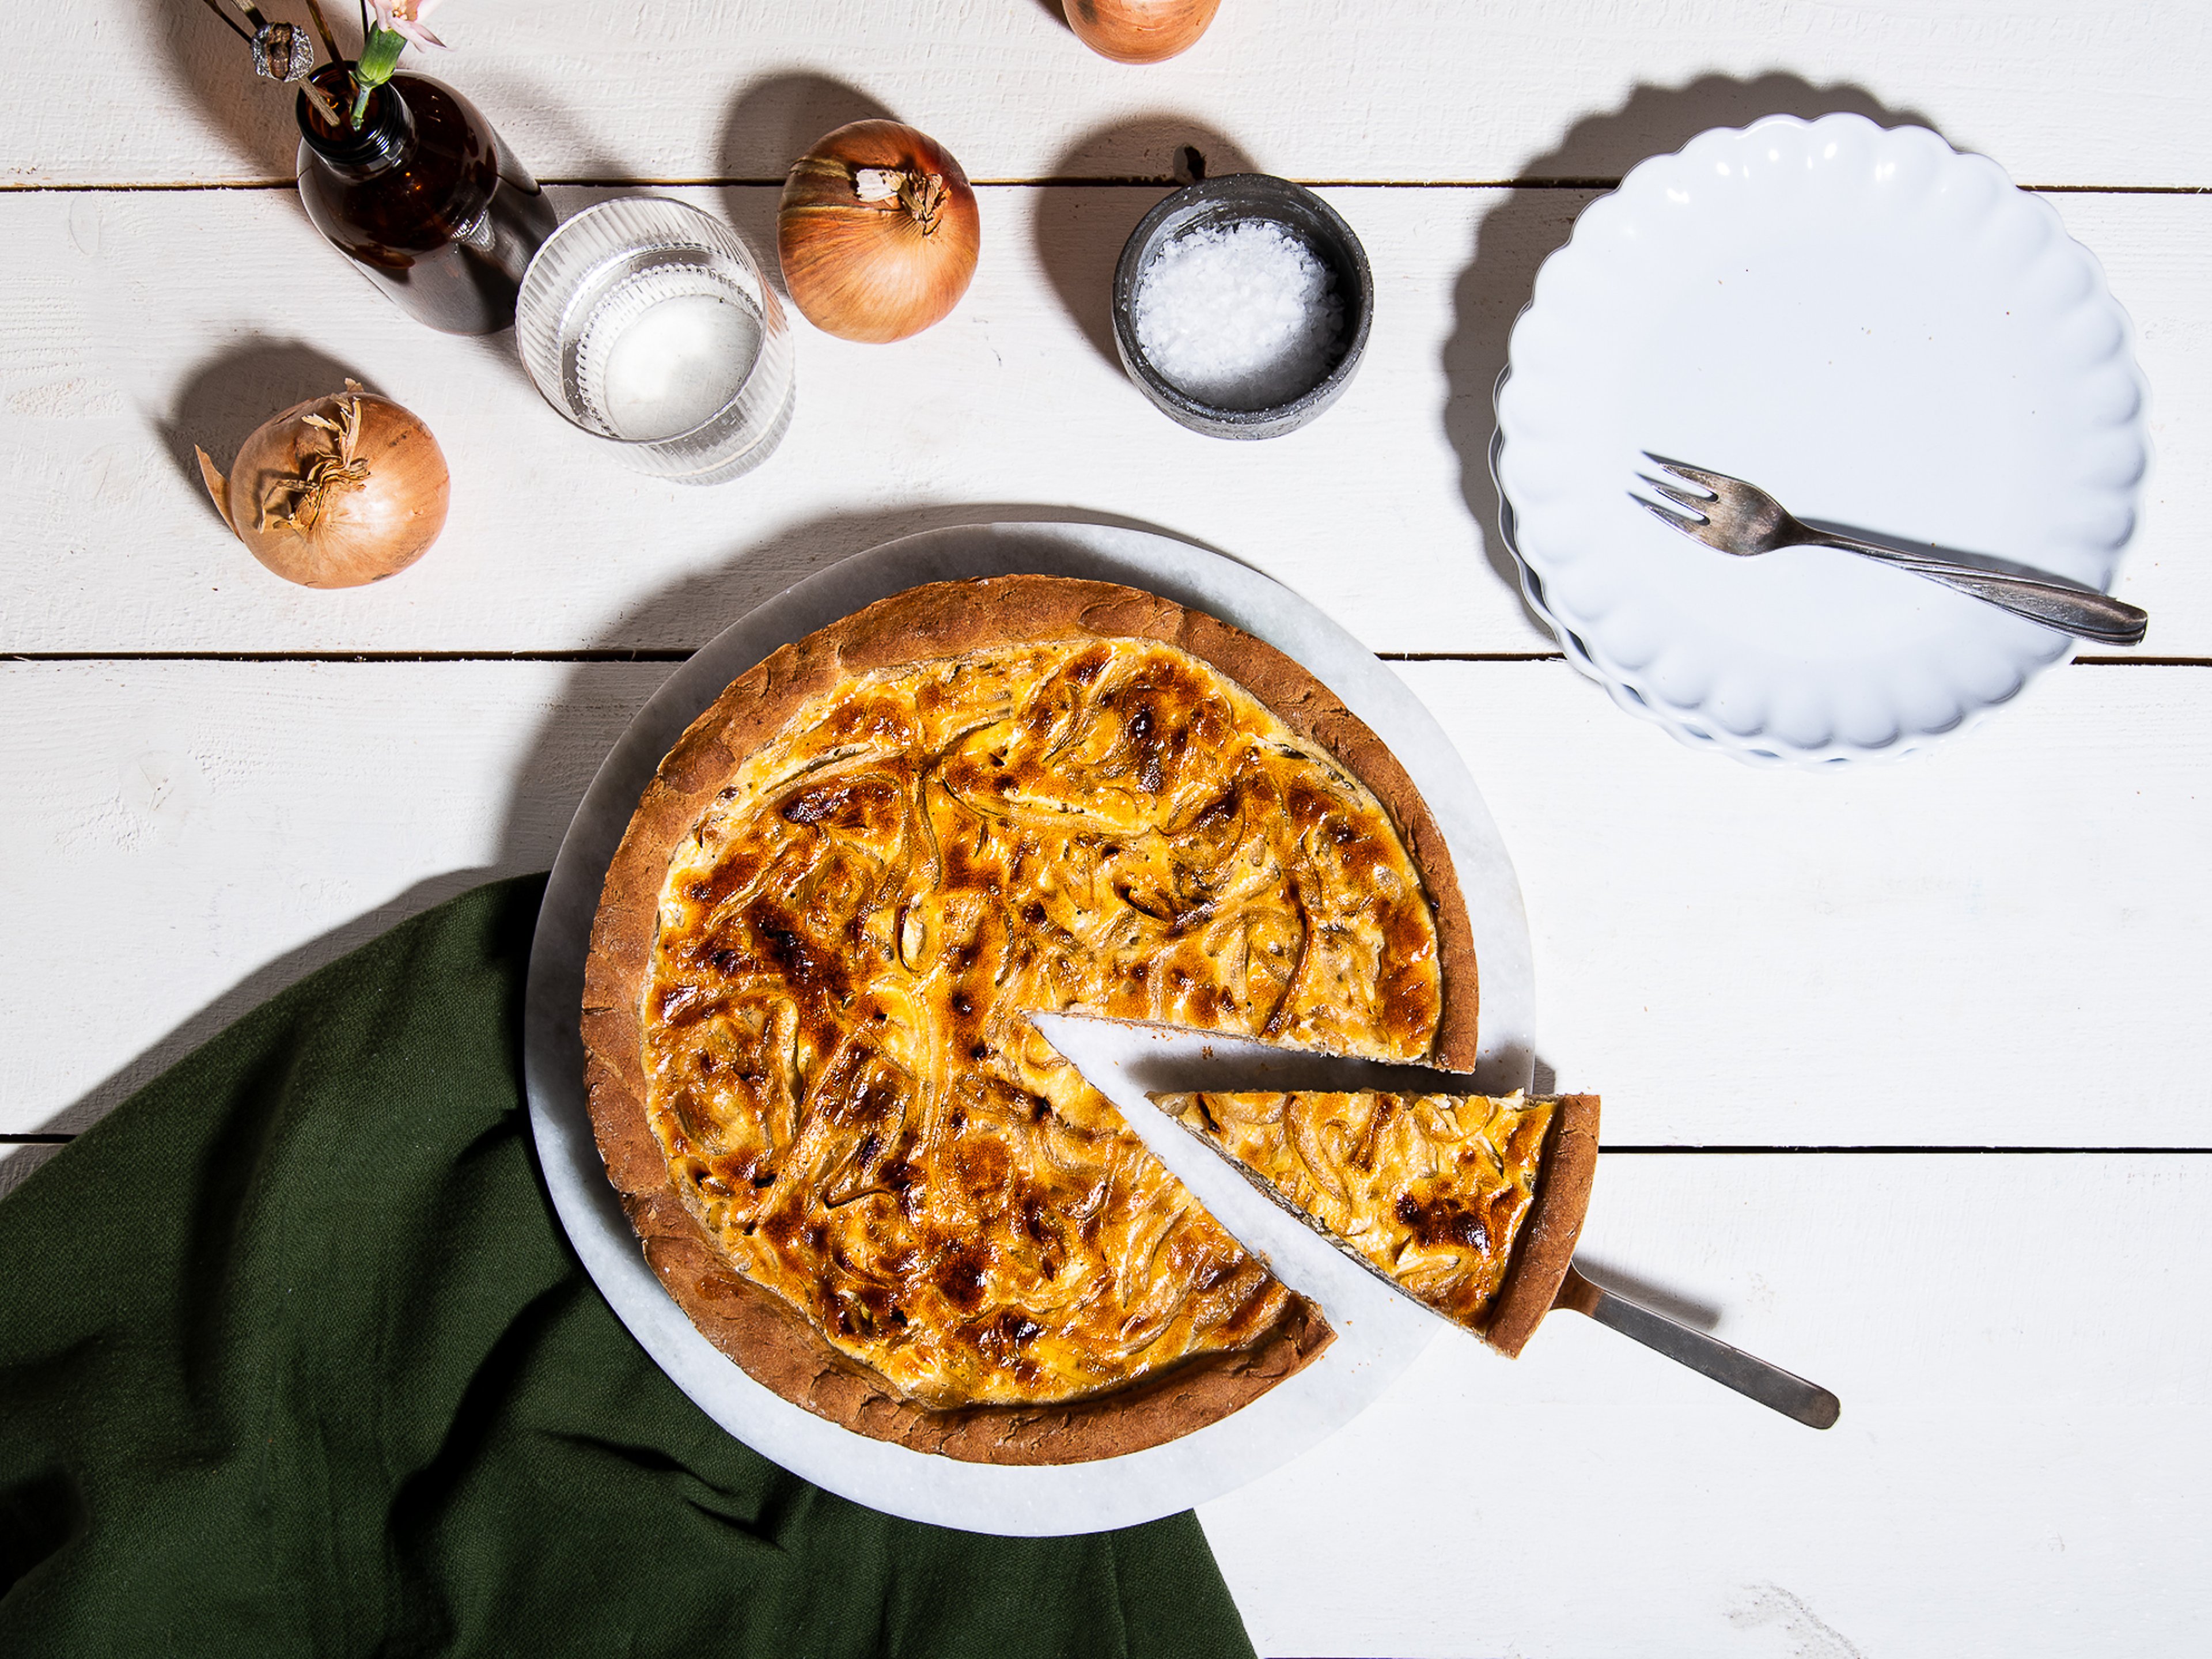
{"x":1793,"y":1396}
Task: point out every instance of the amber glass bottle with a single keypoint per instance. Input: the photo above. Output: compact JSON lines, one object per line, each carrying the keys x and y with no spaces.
{"x":424,"y":197}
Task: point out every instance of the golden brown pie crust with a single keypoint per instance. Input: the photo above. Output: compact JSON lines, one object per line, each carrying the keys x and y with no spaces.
{"x":1546,"y":1245}
{"x":772,"y":1341}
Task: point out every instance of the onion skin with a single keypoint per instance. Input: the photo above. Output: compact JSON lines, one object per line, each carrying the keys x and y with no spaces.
{"x":382,"y":505}
{"x":1139,"y":31}
{"x":877,"y":270}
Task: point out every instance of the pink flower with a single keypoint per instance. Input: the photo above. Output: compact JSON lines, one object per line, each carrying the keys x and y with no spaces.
{"x":405,"y":17}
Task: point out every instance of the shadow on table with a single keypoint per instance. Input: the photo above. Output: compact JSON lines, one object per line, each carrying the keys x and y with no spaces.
{"x":770,"y":123}
{"x":1078,"y":233}
{"x":1682,"y":1310}
{"x":1533,"y":219}
{"x":595,"y":701}
{"x":211,"y":70}
{"x":230,"y":395}
{"x":256,"y":988}
{"x":233,"y":391}
{"x":694,"y":610}
{"x":593,"y":704}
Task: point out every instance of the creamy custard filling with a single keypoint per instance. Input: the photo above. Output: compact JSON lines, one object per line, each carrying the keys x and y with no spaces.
{"x":839,"y":1066}
{"x":1428,"y":1190}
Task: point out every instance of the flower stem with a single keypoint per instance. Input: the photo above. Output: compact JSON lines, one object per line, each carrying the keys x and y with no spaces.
{"x":380,"y":57}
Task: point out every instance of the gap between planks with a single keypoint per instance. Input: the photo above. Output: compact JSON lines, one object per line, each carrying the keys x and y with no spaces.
{"x":1131,"y":181}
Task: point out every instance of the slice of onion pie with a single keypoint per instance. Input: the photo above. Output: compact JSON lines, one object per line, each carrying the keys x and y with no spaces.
{"x":1469,"y":1204}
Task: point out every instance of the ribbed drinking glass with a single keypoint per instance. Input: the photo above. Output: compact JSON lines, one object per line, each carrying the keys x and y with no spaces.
{"x":650,"y":324}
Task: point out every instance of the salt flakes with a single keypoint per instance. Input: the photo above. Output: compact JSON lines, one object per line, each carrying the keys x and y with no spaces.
{"x":1240,"y":316}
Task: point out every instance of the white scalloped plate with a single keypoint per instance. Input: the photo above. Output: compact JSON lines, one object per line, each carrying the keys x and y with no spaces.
{"x":1883,"y":333}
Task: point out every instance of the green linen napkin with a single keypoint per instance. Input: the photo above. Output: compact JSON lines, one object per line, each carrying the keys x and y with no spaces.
{"x":295,"y":1358}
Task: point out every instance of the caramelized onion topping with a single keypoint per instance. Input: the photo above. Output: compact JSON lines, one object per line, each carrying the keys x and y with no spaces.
{"x":838,"y":1063}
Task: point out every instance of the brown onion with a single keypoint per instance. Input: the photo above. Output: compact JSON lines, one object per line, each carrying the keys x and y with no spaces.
{"x":878,"y":232}
{"x":334,"y":492}
{"x":1139,"y":31}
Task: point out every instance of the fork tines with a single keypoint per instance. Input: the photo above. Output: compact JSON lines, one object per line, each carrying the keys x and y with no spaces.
{"x":1692,"y":506}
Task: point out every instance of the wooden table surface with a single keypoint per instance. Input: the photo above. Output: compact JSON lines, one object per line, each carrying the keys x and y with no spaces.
{"x":1906,"y":1066}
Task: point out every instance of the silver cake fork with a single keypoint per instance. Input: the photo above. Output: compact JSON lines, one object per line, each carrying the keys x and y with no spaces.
{"x":1742,"y":519}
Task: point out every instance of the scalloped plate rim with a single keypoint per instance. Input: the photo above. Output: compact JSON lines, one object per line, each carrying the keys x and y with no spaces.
{"x":1630,"y":688}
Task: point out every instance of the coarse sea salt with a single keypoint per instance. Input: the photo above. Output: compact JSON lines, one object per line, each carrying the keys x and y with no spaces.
{"x":1240,"y":316}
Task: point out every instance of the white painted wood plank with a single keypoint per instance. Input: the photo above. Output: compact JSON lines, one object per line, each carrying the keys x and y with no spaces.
{"x":2021,"y":1469}
{"x":111,"y":364}
{"x":2148,"y":262}
{"x":1998,"y":942}
{"x":133,"y":91}
{"x":135,"y":329}
{"x":182,"y":840}
{"x":1995,"y":944}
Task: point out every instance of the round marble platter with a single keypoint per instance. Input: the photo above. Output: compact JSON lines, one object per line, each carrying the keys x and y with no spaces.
{"x":1378,"y":1334}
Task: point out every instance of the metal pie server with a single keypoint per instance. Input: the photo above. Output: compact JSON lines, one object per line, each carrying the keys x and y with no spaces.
{"x":1128,"y":1062}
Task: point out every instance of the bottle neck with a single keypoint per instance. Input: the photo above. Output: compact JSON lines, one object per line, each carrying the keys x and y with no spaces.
{"x":383,"y":141}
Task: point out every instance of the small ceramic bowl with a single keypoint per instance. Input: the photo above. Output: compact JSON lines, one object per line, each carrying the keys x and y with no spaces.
{"x":1233,"y":199}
